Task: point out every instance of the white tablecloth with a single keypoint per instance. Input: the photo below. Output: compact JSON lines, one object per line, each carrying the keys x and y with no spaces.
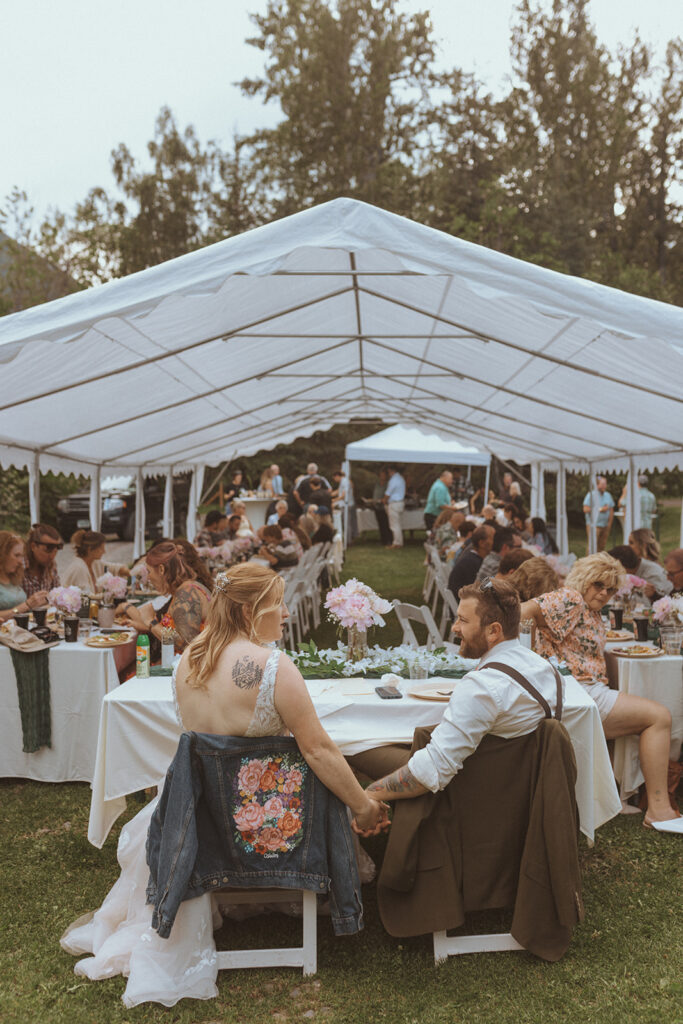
{"x":659,"y":679}
{"x":79,"y":679}
{"x":411,"y":519}
{"x":139,"y":734}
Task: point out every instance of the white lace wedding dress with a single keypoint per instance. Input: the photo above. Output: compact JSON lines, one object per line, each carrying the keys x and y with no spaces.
{"x":119,"y":937}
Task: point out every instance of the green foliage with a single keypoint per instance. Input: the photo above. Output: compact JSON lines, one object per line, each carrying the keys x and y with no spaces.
{"x":14,"y":514}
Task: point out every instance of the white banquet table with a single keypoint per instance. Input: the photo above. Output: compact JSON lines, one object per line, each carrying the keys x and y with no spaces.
{"x":411,"y":519}
{"x":139,"y":734}
{"x":659,"y":679}
{"x":79,"y":679}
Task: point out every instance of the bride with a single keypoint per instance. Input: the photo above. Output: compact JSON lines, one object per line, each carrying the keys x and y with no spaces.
{"x":229,"y":683}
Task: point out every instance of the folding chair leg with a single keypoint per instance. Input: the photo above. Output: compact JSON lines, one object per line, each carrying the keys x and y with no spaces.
{"x":456,"y":945}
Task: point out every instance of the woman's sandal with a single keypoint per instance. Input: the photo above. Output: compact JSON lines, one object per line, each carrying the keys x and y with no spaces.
{"x":671,"y":825}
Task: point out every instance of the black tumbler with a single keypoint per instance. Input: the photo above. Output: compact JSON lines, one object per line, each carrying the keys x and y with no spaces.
{"x":21,"y":619}
{"x":641,"y":624}
{"x":618,"y":617}
{"x":71,"y":629}
{"x":39,"y":615}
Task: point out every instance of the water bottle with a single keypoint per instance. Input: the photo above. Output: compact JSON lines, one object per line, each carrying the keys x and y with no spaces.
{"x":142,"y":660}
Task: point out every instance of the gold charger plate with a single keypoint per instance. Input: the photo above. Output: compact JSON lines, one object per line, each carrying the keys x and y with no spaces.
{"x":637,"y":652}
{"x":438,"y":692}
{"x":100,"y":642}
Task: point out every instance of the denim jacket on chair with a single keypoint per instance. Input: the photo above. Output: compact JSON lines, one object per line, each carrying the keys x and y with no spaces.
{"x":248,"y":812}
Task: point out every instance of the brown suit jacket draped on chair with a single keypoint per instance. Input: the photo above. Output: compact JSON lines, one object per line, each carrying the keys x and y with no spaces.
{"x":504,"y":833}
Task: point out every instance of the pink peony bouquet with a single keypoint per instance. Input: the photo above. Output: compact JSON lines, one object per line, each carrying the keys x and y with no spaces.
{"x":113,"y":586}
{"x":355,"y":605}
{"x":140,"y":572}
{"x":632,"y":583}
{"x":668,"y":609}
{"x":66,"y":599}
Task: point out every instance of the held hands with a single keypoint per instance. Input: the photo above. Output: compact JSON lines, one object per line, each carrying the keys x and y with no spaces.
{"x":373,"y":820}
{"x":37,"y":600}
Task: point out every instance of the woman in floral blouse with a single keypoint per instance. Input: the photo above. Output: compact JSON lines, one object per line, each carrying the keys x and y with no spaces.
{"x":569,"y":625}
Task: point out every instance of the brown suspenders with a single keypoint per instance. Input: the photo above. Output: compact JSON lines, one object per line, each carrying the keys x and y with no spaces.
{"x":530,"y":689}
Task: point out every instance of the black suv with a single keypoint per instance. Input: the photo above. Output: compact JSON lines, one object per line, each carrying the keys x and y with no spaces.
{"x":118,"y":508}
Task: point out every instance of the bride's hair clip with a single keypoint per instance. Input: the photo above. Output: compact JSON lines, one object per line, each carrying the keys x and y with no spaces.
{"x":222,"y":581}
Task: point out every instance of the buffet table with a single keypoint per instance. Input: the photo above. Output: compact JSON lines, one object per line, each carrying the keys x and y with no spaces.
{"x":139,"y":734}
{"x":79,"y":679}
{"x":660,"y":679}
{"x":411,"y":519}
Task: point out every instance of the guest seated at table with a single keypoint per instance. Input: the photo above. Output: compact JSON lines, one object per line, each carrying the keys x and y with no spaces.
{"x":275,"y":550}
{"x":541,"y":538}
{"x":465,"y":569}
{"x":189,"y":555}
{"x":512,"y":560}
{"x":506,"y":514}
{"x":484,"y":701}
{"x":521,"y":524}
{"x":673,"y":563}
{"x":214,"y":531}
{"x":229,"y":682}
{"x":533,"y":577}
{"x":489,"y":515}
{"x":170,"y":574}
{"x":281,"y":508}
{"x":89,"y":564}
{"x":464,"y":541}
{"x":40,"y":571}
{"x":13,"y":597}
{"x":308,"y":520}
{"x":504,"y":540}
{"x":649,"y":568}
{"x":287,"y":524}
{"x":569,"y":626}
{"x":245,"y":528}
{"x":445,"y":530}
{"x":325,"y":530}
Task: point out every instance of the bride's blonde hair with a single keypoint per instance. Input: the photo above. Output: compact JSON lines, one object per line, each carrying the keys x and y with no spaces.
{"x":241,"y":597}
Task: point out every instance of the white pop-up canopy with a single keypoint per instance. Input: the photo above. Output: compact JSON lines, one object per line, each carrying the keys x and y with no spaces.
{"x":343,"y":310}
{"x":411,"y":444}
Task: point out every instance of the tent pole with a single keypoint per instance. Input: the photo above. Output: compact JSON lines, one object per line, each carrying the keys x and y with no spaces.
{"x":633,"y":499}
{"x":594,"y":512}
{"x":346,"y":467}
{"x":96,"y":498}
{"x":168,"y":504}
{"x":487,"y":484}
{"x":194,"y":500}
{"x":34,"y":488}
{"x":533,"y":502}
{"x":139,"y":541}
{"x":541,"y":512}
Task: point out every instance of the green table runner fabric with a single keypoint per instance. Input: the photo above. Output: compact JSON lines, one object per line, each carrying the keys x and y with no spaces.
{"x":32,"y":671}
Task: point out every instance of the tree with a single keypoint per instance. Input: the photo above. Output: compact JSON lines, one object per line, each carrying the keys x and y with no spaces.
{"x":352,"y":78}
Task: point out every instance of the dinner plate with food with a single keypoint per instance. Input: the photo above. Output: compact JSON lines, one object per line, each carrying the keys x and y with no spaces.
{"x":637,"y":651}
{"x":110,"y":639}
{"x":618,"y":634}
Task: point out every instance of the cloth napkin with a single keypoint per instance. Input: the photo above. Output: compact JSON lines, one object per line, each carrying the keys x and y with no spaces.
{"x":32,"y":671}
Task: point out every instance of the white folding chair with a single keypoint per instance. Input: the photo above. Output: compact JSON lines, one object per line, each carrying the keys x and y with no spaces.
{"x":407,"y":613}
{"x":304,"y":956}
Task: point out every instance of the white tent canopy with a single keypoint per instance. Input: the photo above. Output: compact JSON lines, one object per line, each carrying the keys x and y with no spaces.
{"x":343,"y":310}
{"x":410,"y":444}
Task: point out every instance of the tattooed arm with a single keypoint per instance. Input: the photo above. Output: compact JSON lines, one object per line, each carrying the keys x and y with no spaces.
{"x":187,"y":613}
{"x":400,"y":785}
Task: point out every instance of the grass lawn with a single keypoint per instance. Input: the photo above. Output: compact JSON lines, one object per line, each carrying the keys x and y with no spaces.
{"x":623,"y":967}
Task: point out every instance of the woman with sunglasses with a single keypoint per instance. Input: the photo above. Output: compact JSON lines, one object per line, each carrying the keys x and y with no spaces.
{"x":13,"y":596}
{"x":569,"y":625}
{"x":42,"y":545}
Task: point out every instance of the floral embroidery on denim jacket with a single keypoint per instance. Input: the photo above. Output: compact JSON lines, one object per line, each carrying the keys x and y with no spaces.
{"x":267,"y":808}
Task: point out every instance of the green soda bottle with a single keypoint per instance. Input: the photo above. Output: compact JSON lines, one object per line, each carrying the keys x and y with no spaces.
{"x":142,"y":659}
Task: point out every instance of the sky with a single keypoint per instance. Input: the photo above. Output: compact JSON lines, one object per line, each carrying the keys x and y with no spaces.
{"x":77,"y":77}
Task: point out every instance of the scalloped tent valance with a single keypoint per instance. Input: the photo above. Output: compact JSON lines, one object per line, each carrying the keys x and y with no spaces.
{"x":342,"y":310}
